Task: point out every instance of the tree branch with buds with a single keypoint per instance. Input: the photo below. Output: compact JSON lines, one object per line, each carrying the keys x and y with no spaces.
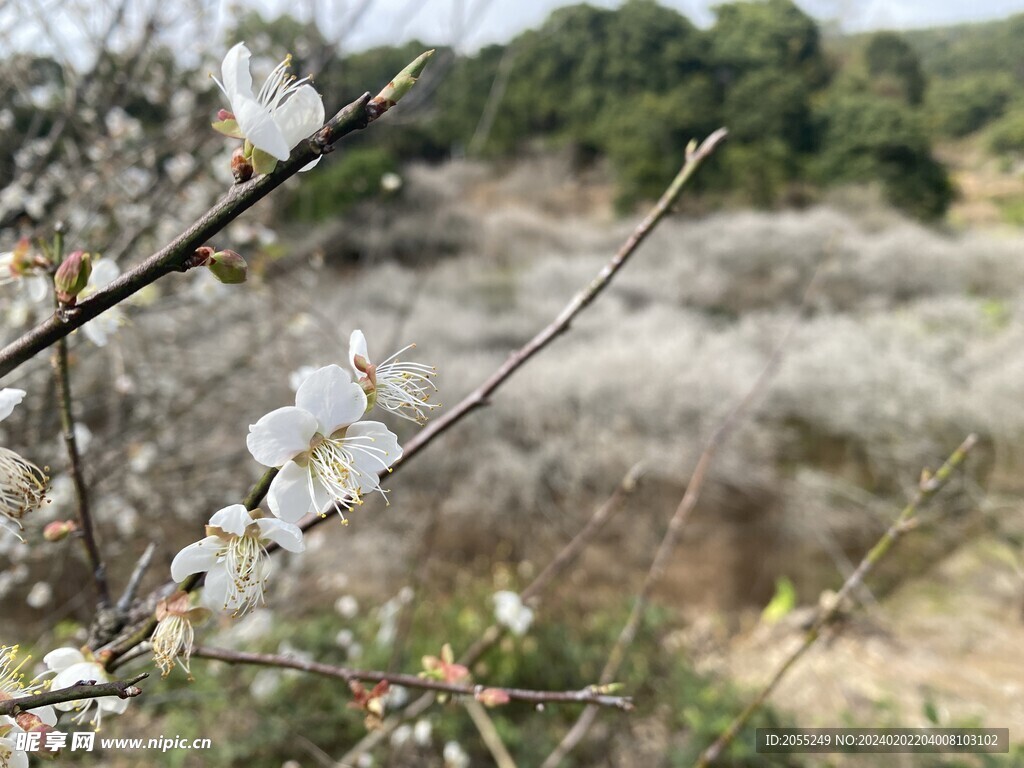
{"x":176,"y":256}
{"x":906,"y":521}
{"x":597,"y":695}
{"x":123,"y":689}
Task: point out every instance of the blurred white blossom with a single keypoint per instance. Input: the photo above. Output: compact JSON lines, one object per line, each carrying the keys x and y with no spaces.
{"x":510,"y":612}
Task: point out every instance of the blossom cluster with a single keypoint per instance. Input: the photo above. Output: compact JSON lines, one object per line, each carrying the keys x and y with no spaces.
{"x":327,"y":456}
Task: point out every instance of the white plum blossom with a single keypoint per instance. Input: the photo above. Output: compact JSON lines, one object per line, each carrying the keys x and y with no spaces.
{"x":22,"y":483}
{"x":10,"y":398}
{"x":283,"y":113}
{"x":9,"y":756}
{"x":299,"y":375}
{"x":102,"y":327}
{"x":454,"y":755}
{"x":347,"y":606}
{"x":72,"y":666}
{"x":510,"y":612}
{"x":13,"y":686}
{"x":422,"y":732}
{"x":31,"y":284}
{"x":324,"y":452}
{"x":234,"y":557}
{"x":401,"y":388}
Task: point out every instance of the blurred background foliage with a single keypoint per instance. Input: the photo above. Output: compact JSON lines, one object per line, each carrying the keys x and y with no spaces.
{"x":631,"y":86}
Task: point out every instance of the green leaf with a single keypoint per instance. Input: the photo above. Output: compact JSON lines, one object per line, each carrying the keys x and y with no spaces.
{"x":782,"y":603}
{"x":262,"y":162}
{"x":228,"y":128}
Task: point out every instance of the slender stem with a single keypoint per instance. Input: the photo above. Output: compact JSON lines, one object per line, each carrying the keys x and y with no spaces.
{"x":123,"y":689}
{"x":590,"y":695}
{"x":929,"y":486}
{"x":493,"y":634}
{"x":67,"y":421}
{"x":128,"y":596}
{"x":674,"y":530}
{"x":489,"y":734}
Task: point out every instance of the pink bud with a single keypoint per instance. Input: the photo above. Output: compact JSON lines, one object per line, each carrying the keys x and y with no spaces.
{"x":59,"y":530}
{"x":241,"y":166}
{"x":72,"y":276}
{"x":492,"y":697}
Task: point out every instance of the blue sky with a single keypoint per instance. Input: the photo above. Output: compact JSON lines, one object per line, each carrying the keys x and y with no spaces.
{"x":471,"y":23}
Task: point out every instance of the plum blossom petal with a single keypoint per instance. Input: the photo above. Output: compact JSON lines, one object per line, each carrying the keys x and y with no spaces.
{"x":289,"y":495}
{"x":332,"y":397}
{"x":281,"y":435}
{"x":285,"y":535}
{"x":195,"y":558}
{"x":9,"y":399}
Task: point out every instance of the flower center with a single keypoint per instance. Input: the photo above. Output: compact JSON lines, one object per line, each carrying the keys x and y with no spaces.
{"x":244,"y":558}
{"x":279,"y":86}
{"x":334,"y":463}
{"x":10,"y":674}
{"x":172,"y":640}
{"x":22,"y":486}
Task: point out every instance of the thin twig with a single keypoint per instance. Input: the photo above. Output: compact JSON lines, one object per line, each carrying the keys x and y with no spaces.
{"x":135,"y":580}
{"x":591,"y":695}
{"x":123,"y":689}
{"x":489,"y":734}
{"x":67,"y":423}
{"x":696,"y":154}
{"x":674,"y":531}
{"x":929,"y":486}
{"x":493,"y":634}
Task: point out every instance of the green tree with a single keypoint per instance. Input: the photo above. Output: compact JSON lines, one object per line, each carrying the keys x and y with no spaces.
{"x":645,"y":142}
{"x":894,"y":67}
{"x":868,"y":138}
{"x":773,"y":35}
{"x":966,"y":104}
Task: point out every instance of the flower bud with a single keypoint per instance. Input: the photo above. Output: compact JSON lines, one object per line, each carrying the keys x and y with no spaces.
{"x":72,"y":276}
{"x":241,"y":166}
{"x":59,"y":530}
{"x":228,"y":267}
{"x":492,"y":697}
{"x":397,"y":88}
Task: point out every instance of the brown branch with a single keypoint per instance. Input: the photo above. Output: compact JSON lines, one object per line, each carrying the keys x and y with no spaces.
{"x":929,"y":486}
{"x":695,"y":155}
{"x":594,"y":695}
{"x":123,"y":689}
{"x":62,"y":379}
{"x":175,"y":256}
